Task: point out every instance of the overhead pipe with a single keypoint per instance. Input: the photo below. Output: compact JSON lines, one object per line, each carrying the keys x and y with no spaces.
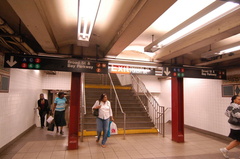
{"x":6,"y":28}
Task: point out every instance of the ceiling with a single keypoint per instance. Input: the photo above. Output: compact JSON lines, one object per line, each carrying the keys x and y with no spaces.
{"x":125,"y":31}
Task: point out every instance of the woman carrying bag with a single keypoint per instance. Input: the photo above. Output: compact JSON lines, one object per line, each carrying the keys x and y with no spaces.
{"x":103,"y":118}
{"x":59,"y":111}
{"x":233,"y":112}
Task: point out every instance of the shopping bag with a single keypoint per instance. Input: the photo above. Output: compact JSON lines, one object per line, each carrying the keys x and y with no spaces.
{"x":50,"y":119}
{"x":113,"y":129}
{"x":108,"y":133}
{"x":51,"y":126}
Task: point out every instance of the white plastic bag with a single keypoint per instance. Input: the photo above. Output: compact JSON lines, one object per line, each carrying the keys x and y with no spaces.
{"x":113,"y":129}
{"x":50,"y":119}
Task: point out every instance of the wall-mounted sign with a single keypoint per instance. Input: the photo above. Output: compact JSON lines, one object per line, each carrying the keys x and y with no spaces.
{"x":131,"y":70}
{"x":55,"y":64}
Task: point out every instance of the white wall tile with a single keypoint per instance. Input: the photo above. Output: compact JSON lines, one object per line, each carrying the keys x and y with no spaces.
{"x":204,"y":105}
{"x":17,"y":107}
{"x":60,"y":81}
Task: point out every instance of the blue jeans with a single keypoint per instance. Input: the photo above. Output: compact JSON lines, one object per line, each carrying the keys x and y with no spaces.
{"x":102,"y":125}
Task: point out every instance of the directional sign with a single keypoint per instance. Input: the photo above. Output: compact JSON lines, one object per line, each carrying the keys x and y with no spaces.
{"x":166,"y":71}
{"x":55,"y":64}
{"x":131,"y":70}
{"x":11,"y":62}
{"x":190,"y":72}
{"x":205,"y":73}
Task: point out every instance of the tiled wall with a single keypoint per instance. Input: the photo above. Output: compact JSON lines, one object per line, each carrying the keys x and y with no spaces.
{"x":151,"y":82}
{"x":60,"y":81}
{"x":204,"y":105}
{"x":17,"y":107}
{"x":165,"y":98}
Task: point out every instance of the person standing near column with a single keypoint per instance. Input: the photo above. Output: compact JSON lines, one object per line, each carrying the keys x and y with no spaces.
{"x":105,"y":115}
{"x":43,"y":109}
{"x":59,"y":111}
{"x":233,"y":110}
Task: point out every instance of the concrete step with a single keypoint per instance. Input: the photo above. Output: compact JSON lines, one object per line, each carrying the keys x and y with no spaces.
{"x":120,"y":119}
{"x":126,"y":109}
{"x":100,"y":79}
{"x":129,"y":125}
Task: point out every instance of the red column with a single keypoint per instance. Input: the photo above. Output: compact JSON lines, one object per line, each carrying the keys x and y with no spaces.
{"x":177,"y":110}
{"x":74,"y":111}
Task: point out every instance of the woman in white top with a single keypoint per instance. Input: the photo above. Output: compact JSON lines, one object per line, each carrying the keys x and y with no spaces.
{"x":105,"y":115}
{"x":233,"y":110}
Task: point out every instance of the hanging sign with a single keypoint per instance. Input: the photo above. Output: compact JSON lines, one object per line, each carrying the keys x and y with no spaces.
{"x":131,"y":70}
{"x":54,"y":64}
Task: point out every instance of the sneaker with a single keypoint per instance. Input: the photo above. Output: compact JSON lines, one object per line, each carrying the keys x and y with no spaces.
{"x":61,"y":132}
{"x":224,"y":152}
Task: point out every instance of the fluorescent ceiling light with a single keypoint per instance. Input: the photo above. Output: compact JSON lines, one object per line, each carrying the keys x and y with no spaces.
{"x":203,"y":21}
{"x":236,"y":48}
{"x":169,"y":20}
{"x":87,"y":13}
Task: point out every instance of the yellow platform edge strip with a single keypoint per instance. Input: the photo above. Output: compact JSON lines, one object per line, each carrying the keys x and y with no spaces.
{"x":105,"y":86}
{"x":121,"y":132}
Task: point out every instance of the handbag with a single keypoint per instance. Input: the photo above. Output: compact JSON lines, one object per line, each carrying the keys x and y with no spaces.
{"x":51,"y":126}
{"x":234,"y":121}
{"x":95,"y":112}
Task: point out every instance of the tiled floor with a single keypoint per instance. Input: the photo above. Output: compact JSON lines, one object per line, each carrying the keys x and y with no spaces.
{"x":41,"y":144}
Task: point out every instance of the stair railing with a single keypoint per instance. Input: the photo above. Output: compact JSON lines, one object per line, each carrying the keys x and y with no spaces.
{"x":154,"y":110}
{"x":82,"y":105}
{"x":117,"y":101}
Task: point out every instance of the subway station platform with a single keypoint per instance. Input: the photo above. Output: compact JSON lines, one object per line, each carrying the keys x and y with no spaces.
{"x":41,"y":144}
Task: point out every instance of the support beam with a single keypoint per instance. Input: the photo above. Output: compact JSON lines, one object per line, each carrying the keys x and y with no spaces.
{"x":134,"y":26}
{"x":29,"y":13}
{"x":227,"y":58}
{"x":216,"y":31}
{"x":177,"y":110}
{"x":74,"y":111}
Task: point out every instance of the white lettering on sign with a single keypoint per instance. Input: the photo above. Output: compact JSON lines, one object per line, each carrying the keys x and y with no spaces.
{"x":71,"y":66}
{"x":128,"y":70}
{"x":79,"y":64}
{"x":208,"y":73}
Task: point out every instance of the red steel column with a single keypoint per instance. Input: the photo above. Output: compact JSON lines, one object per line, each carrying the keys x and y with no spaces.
{"x":74,"y":111}
{"x":177,"y":110}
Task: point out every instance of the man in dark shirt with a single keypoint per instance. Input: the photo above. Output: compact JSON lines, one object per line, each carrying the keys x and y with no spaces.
{"x":43,"y":108}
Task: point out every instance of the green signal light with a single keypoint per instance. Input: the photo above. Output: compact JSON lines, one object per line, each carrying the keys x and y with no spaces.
{"x":30,"y":65}
{"x":37,"y":66}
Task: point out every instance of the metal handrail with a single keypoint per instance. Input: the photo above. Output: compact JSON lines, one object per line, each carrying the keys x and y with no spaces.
{"x":82,"y":104}
{"x":120,"y":106}
{"x":158,"y":112}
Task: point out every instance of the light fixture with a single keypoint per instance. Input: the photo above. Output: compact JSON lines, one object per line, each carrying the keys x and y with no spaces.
{"x":87,"y":13}
{"x":139,"y":49}
{"x":236,"y":48}
{"x":203,"y":21}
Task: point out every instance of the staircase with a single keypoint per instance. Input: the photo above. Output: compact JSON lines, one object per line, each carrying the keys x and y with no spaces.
{"x":137,"y":120}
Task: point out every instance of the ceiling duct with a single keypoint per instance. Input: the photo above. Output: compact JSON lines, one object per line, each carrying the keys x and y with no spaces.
{"x":12,"y":42}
